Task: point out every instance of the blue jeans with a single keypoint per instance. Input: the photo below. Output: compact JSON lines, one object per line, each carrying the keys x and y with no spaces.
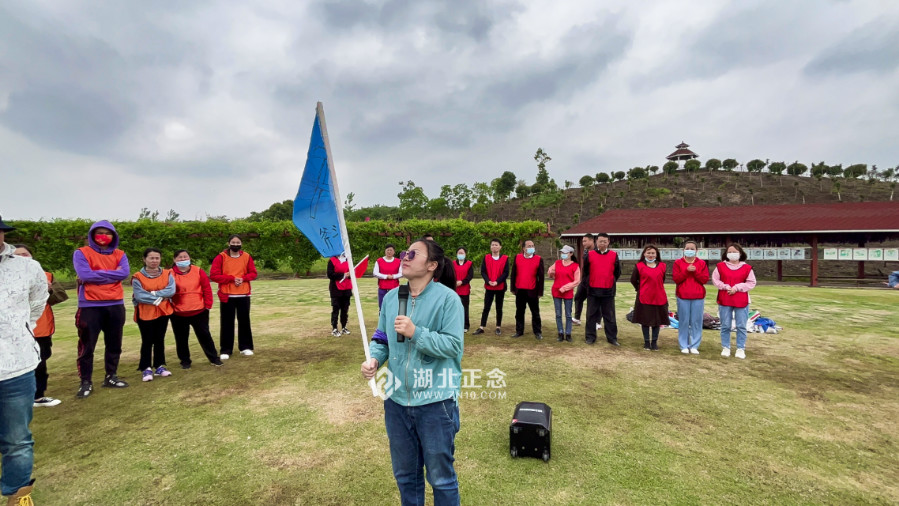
{"x":689,"y":322}
{"x":894,"y":279}
{"x":566,"y":329}
{"x":727,"y":315}
{"x":16,"y":445}
{"x":423,"y":436}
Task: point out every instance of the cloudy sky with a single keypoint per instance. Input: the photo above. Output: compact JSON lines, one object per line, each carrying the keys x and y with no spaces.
{"x":206,"y":107}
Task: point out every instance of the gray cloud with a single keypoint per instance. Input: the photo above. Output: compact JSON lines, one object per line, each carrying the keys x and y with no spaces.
{"x":873,"y":47}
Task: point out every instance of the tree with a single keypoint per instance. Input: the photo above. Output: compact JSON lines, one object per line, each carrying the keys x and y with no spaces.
{"x":438,"y":207}
{"x":755,"y":165}
{"x":522,"y":190}
{"x":172,"y":216}
{"x":692,"y":165}
{"x":729,"y":164}
{"x":713,"y":164}
{"x":586,"y":181}
{"x":147,"y":215}
{"x":670,"y":167}
{"x":602,"y":178}
{"x":457,"y":198}
{"x":835,"y":171}
{"x":503,"y":186}
{"x":777,"y":168}
{"x":480,"y":193}
{"x":819,"y":170}
{"x":620,"y":175}
{"x":653,"y":169}
{"x":636,"y":173}
{"x":543,"y":182}
{"x":797,"y":169}
{"x":348,"y":205}
{"x":279,"y":211}
{"x":855,"y":171}
{"x":412,"y":199}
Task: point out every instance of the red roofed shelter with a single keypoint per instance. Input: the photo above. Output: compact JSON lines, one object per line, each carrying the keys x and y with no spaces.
{"x":841,"y":223}
{"x":683,"y":153}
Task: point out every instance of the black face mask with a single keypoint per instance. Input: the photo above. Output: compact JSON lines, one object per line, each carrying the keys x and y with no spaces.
{"x":235,"y":247}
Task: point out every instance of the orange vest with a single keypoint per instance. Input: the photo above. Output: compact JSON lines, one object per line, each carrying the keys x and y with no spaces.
{"x":99,"y":262}
{"x":236,"y":267}
{"x":188,"y":292}
{"x":46,"y":324}
{"x":149,"y":311}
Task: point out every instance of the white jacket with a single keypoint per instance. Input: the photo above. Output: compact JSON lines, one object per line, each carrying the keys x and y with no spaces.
{"x":23,"y":295}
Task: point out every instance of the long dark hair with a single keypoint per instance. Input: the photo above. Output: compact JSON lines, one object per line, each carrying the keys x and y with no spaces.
{"x":647,"y":248}
{"x":445,"y":273}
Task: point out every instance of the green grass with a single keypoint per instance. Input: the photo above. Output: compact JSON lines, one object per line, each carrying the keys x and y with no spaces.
{"x":809,"y":417}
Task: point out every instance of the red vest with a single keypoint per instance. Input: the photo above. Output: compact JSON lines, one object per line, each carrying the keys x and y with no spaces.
{"x":149,"y":311}
{"x":385,"y":267}
{"x":526,"y":272}
{"x":188,"y":292}
{"x":495,"y":269}
{"x":341,"y":268}
{"x":100,"y":262}
{"x":46,"y":324}
{"x":691,"y":288}
{"x":461,"y":273}
{"x":237,"y":267}
{"x":602,"y":269}
{"x":564,"y":276}
{"x":731,"y":278}
{"x":652,"y":287}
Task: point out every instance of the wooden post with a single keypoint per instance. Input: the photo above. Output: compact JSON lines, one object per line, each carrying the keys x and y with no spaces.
{"x":861,"y":263}
{"x":780,"y":270}
{"x":813,"y":278}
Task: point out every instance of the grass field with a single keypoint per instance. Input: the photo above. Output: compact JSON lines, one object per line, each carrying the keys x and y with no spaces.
{"x":809,"y":417}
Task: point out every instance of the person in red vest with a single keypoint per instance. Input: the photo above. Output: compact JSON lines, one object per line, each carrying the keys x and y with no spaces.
{"x":43,"y":332}
{"x":690,"y":274}
{"x":566,"y":276}
{"x":388,"y":269}
{"x":101,"y":267}
{"x":734,"y":279}
{"x":600,"y":270}
{"x":494,"y":270}
{"x":233,"y":270}
{"x":341,"y":290}
{"x":464,"y":274}
{"x":526,"y":282}
{"x":153,"y":288}
{"x":651,"y":306}
{"x":580,"y":295}
{"x":191,"y":305}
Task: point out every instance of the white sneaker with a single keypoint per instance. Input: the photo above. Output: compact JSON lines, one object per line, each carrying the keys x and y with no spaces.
{"x":741,"y":353}
{"x":224,"y":356}
{"x":685,"y":351}
{"x":575,"y":321}
{"x":247,"y":353}
{"x":694,"y":351}
{"x":46,"y":402}
{"x":725,"y":352}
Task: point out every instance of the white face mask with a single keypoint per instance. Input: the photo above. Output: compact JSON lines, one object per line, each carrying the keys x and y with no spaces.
{"x":651,"y":261}
{"x":733,"y":257}
{"x":689,"y":253}
{"x":564,"y":256}
{"x":529,"y":251}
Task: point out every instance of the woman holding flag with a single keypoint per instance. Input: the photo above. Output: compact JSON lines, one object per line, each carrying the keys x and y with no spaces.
{"x":422,"y":414}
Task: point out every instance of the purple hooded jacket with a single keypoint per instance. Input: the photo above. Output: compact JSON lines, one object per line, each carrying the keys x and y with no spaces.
{"x":100,"y":277}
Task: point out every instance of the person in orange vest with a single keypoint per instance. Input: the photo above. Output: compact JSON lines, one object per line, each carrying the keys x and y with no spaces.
{"x":494,"y":270}
{"x":464,"y":275}
{"x":341,"y":290}
{"x":154,"y":288}
{"x":101,"y":267}
{"x":526,"y":282}
{"x":651,"y":306}
{"x":388,"y":270}
{"x":192,"y":302}
{"x":733,"y":278}
{"x":233,"y":270}
{"x":43,"y":333}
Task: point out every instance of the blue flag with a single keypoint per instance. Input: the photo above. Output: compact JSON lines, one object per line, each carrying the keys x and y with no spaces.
{"x":315,"y":211}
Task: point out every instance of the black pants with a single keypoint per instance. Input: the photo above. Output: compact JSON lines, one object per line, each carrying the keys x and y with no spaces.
{"x":340,"y":306}
{"x":241,"y":307}
{"x":655,"y":333}
{"x":181,"y":328}
{"x":489,"y":297}
{"x":90,"y":321}
{"x":601,"y":307}
{"x":40,"y":374}
{"x":465,"y":300}
{"x":527,"y":299}
{"x":580,"y":295}
{"x":152,"y":342}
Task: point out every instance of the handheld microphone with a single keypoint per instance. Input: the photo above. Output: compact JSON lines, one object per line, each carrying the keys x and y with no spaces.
{"x":403,"y":298}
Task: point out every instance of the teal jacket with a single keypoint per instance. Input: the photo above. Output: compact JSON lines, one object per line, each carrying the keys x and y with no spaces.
{"x":429,"y":364}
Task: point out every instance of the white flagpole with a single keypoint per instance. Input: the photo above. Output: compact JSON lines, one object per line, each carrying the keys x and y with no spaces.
{"x":320,"y":112}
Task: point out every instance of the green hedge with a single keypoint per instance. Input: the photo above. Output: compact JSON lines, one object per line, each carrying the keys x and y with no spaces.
{"x":274,"y":245}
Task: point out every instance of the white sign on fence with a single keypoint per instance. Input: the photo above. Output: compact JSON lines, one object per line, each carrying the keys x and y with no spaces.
{"x":875,"y":253}
{"x":891,"y":254}
{"x":830,"y":254}
{"x":859,"y":253}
